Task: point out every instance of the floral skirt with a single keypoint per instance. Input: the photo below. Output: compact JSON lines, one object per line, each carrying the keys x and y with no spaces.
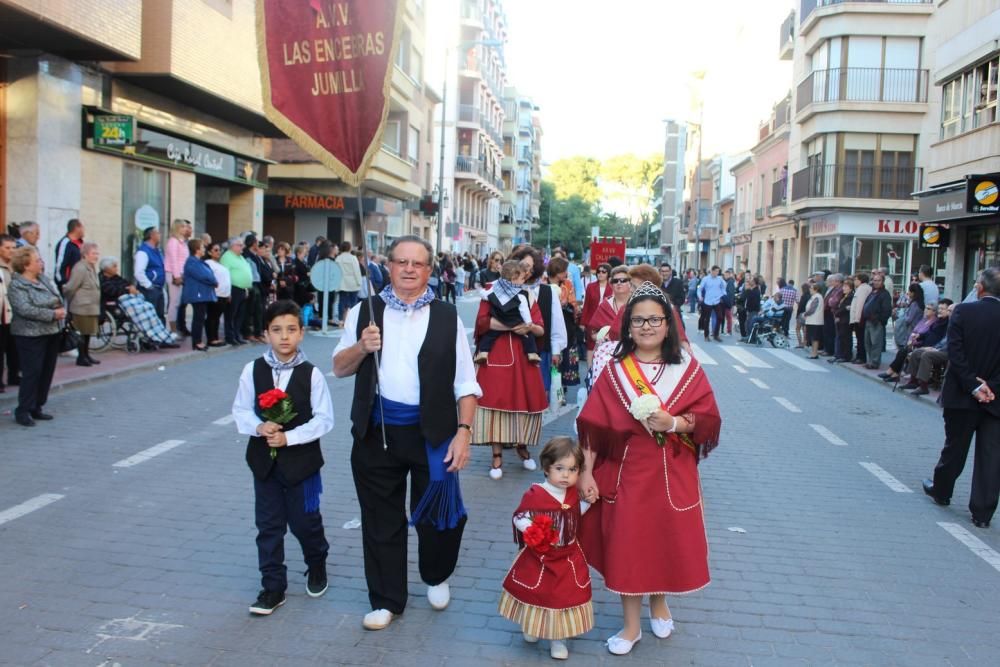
{"x":506,"y":428}
{"x":569,"y":366}
{"x":547,"y":623}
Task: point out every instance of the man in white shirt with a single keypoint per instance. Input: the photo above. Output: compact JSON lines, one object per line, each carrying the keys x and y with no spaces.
{"x":931,"y":293}
{"x":406,"y":424}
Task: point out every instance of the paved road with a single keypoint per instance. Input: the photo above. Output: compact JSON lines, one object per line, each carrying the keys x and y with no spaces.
{"x":126,"y":537}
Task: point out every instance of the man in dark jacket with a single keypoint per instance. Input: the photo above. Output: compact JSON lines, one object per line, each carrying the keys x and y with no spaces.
{"x":968,"y":397}
{"x":68,"y":251}
{"x":673,"y":286}
{"x":876,"y":312}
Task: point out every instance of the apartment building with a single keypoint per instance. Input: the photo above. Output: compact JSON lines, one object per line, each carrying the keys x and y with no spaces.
{"x":667,"y":224}
{"x":520,"y":169}
{"x":723,"y":205}
{"x":473,"y":127}
{"x":963,"y":134}
{"x":306,"y":200}
{"x":859,"y":103}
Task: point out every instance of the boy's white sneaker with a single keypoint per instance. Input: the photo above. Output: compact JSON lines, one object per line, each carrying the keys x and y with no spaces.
{"x":559,"y":650}
{"x":377,"y":619}
{"x":439,"y":596}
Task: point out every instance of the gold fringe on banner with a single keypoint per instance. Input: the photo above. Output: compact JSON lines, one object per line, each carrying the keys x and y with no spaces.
{"x":300,"y":136}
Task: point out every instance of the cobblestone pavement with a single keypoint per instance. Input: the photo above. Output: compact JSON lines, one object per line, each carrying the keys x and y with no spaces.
{"x":823,"y":549}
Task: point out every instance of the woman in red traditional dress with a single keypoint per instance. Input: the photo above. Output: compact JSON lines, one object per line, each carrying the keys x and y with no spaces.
{"x":650,"y":417}
{"x":547,"y":589}
{"x":514,"y":397}
{"x":608,"y":313}
{"x":595,"y":293}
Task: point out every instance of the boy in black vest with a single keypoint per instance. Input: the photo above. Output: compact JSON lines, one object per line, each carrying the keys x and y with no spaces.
{"x":285,"y":458}
{"x":509,"y":306}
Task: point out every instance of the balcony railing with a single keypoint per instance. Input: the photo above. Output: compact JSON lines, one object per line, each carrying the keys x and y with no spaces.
{"x":808,"y":6}
{"x":468,"y":165}
{"x":758,"y":214}
{"x":467,"y":113}
{"x":787,"y":33}
{"x":779,"y":193}
{"x":862,"y":84}
{"x":856,"y":182}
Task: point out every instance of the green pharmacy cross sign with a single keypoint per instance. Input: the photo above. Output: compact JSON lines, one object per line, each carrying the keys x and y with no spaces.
{"x":114,"y":130}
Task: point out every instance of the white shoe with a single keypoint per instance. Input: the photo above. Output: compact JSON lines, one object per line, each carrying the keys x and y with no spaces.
{"x":662,"y":628}
{"x":558,"y":650}
{"x":619,"y":646}
{"x":496,"y":473}
{"x":439,"y":596}
{"x":377,"y":619}
{"x":529,"y":464}
{"x":531,"y":639}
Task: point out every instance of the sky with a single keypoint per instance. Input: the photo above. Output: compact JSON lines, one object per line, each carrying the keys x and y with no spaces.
{"x":606,"y":74}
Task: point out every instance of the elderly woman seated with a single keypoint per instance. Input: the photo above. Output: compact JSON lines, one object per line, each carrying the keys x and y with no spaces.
{"x":117,"y":290}
{"x":927,"y":332}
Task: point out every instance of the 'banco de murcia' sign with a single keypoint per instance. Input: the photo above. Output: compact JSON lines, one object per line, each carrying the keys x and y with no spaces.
{"x":326,"y":69}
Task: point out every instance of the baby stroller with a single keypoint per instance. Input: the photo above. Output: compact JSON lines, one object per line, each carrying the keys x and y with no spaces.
{"x":768,"y":328}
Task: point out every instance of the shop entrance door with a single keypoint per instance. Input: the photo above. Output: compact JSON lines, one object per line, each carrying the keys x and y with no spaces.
{"x":335,"y":229}
{"x":982,"y":251}
{"x":217,"y":222}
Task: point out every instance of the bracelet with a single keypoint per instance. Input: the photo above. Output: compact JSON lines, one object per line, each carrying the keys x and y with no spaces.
{"x":673,"y":427}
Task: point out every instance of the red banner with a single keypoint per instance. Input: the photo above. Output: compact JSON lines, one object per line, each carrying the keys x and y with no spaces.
{"x":604,"y":248}
{"x":326,"y":69}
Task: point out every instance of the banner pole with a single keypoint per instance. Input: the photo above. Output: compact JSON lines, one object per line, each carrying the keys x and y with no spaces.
{"x":371,"y":312}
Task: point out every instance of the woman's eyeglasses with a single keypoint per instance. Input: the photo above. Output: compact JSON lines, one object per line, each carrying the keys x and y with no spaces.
{"x":640,"y":322}
{"x":620,"y":281}
{"x":601,"y":270}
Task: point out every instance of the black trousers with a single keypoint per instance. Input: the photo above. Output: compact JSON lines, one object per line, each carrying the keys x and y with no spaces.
{"x":844,"y":341}
{"x":859,"y":335}
{"x":198,"y":321}
{"x":8,"y":350}
{"x":786,"y":320}
{"x":280,"y":506}
{"x":380,"y":480}
{"x":236,"y":312}
{"x":829,"y":343}
{"x":959,"y":427}
{"x":155,"y":296}
{"x":215,"y":311}
{"x":38,"y":356}
{"x":254,"y":320}
{"x":705,"y":321}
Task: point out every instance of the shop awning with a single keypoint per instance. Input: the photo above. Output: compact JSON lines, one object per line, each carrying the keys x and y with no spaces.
{"x":950,"y":202}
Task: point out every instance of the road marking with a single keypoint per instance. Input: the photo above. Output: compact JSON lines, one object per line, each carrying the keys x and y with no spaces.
{"x":786,"y":404}
{"x":703,"y":357}
{"x":744,"y":357}
{"x":28,"y":506}
{"x":147,"y":454}
{"x":885,"y":477}
{"x":759,"y":383}
{"x":228,"y":419}
{"x":797,"y":361}
{"x":829,"y":436}
{"x":739,"y":369}
{"x":976,"y":545}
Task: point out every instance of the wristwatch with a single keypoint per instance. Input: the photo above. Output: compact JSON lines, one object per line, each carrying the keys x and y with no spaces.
{"x":466,"y":426}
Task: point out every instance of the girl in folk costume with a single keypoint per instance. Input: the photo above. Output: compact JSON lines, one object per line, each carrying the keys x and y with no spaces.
{"x":595,"y":294}
{"x":547,"y":589}
{"x":650,"y":417}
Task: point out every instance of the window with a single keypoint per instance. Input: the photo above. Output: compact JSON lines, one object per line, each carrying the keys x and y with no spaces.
{"x":403,"y":51}
{"x":825,"y":254}
{"x":416,"y":66}
{"x":390,"y":139}
{"x":413,"y":145}
{"x":951,"y":108}
{"x":969,"y":100}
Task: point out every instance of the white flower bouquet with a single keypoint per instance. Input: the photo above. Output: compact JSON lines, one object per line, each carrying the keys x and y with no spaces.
{"x":642,"y":408}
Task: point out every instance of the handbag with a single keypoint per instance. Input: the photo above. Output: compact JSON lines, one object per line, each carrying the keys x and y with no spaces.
{"x":69,"y":339}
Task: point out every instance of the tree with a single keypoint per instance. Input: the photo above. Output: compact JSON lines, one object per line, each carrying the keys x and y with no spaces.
{"x":576,"y":177}
{"x":630,"y":178}
{"x":571,"y":220}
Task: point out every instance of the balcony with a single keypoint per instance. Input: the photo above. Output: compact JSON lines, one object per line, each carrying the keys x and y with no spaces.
{"x":779,"y":195}
{"x":467,"y":113}
{"x":862,"y":84}
{"x":473,"y":169}
{"x":807,"y":7}
{"x":525,"y":155}
{"x":855,"y":182}
{"x":472,"y":14}
{"x":758,"y":213}
{"x":786,"y":42}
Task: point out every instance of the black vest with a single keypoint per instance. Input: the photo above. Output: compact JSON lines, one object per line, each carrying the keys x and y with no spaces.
{"x":435,"y":366}
{"x":297,"y":462}
{"x":508,"y":314}
{"x":545,"y":305}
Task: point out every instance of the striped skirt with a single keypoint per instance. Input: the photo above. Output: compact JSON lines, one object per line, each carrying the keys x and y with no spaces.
{"x":506,"y":428}
{"x":547,"y":623}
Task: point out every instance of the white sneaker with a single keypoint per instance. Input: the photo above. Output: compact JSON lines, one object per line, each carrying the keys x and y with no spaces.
{"x":662,"y":628}
{"x":558,"y":650}
{"x":377,"y":619}
{"x":496,"y":473}
{"x":439,"y":596}
{"x":619,"y":646}
{"x":529,"y":464}
{"x":531,"y":639}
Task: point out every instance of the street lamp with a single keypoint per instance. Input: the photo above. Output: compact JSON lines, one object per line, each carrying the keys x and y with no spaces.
{"x":489,"y":43}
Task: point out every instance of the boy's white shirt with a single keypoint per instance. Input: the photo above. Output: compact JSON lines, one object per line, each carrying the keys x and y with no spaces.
{"x":523,"y":309}
{"x":321,"y":423}
{"x":522,"y":521}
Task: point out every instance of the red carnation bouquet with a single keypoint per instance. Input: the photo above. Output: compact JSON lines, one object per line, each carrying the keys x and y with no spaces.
{"x":541,"y":535}
{"x":276,"y":406}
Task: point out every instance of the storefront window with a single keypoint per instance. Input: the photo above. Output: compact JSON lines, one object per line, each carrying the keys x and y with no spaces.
{"x":825,"y":254}
{"x":982,"y":251}
{"x":877,"y":253}
{"x":932,"y":257}
{"x":141,"y":186}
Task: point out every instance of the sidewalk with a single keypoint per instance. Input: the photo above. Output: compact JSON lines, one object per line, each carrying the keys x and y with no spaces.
{"x":114,"y":364}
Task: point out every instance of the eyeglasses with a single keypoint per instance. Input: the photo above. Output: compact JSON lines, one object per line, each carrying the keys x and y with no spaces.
{"x":602,"y":270}
{"x":403,"y":263}
{"x":620,"y":281}
{"x":640,"y":322}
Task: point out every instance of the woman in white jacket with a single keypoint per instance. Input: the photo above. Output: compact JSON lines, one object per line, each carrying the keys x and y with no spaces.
{"x":350,"y":281}
{"x":814,"y":320}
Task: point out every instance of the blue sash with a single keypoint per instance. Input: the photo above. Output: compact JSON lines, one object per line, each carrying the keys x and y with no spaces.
{"x":441,"y":504}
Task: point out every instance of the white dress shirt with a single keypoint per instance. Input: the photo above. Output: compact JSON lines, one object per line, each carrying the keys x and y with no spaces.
{"x":403,"y":335}
{"x":225,"y":284}
{"x":139,"y":264}
{"x":557,"y":336}
{"x":247,"y":420}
